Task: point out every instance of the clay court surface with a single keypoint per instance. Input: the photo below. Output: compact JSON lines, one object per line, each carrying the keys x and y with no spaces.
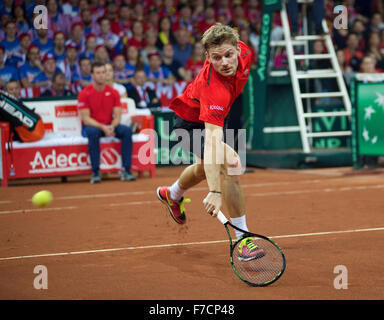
{"x":115,"y":240}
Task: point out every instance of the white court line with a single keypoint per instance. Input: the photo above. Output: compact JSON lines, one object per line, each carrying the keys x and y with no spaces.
{"x":182,"y":244}
{"x":134,"y":193}
{"x":37,"y":210}
{"x":263,"y":194}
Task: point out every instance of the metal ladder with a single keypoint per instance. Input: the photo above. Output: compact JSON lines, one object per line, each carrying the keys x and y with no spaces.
{"x":304,"y":115}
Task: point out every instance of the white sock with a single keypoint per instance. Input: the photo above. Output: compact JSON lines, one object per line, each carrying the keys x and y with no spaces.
{"x":175,"y":191}
{"x":241,"y":223}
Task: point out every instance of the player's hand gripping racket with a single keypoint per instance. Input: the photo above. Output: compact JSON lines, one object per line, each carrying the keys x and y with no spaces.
{"x":256,"y":260}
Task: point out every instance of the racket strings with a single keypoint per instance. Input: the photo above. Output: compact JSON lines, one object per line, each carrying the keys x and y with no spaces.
{"x":265,"y":265}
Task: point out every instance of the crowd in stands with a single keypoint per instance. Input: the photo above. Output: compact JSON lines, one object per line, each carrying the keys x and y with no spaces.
{"x":161,"y":37}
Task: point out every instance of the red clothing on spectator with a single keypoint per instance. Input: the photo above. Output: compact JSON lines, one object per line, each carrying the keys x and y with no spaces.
{"x":349,"y":55}
{"x":100,"y":103}
{"x":194,"y":66}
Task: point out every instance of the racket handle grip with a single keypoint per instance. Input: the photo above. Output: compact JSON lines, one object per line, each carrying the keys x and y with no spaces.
{"x":222,"y":217}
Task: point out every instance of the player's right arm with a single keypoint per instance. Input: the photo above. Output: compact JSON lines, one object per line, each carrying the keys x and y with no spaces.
{"x":213,"y":159}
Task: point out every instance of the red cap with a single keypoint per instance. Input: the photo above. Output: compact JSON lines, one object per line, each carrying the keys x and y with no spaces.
{"x":71,"y":45}
{"x":31,"y":47}
{"x":90,"y":35}
{"x":80,"y":24}
{"x":100,"y":46}
{"x":23,"y":35}
{"x":117,"y":55}
{"x":153,"y":53}
{"x":47,"y":57}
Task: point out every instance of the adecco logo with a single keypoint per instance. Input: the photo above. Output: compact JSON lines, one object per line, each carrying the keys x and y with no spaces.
{"x":53,"y":161}
{"x":66,"y":111}
{"x":110,"y":158}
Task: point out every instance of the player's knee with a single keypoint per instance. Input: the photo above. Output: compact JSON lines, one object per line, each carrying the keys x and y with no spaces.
{"x":233,"y":167}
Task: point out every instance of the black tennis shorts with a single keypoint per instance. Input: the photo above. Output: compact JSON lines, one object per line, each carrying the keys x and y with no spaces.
{"x":192,"y":135}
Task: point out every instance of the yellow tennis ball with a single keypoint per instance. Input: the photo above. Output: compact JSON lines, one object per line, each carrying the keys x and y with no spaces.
{"x":42,"y":198}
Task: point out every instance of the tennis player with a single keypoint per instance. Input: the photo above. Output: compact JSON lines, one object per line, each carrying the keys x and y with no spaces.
{"x":205,"y":104}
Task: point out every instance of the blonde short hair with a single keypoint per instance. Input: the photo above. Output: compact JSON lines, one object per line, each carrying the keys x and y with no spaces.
{"x":219,"y":34}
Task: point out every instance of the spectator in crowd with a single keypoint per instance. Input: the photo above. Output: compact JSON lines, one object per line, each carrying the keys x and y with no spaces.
{"x":44,"y":79}
{"x":89,"y":25}
{"x":138,"y":11}
{"x":341,"y":60}
{"x":223,"y":9}
{"x":111,"y":13}
{"x":11,"y":42}
{"x":21,"y":19}
{"x":70,"y":66}
{"x":97,"y":9}
{"x":137,"y":39}
{"x":157,"y":73}
{"x":182,"y":47}
{"x":368,"y":64}
{"x":209,"y":21}
{"x":121,"y":74}
{"x":359,"y":28}
{"x":198,"y":8}
{"x":7,"y":73}
{"x":18,"y":58}
{"x":178,"y":71}
{"x":143,"y":97}
{"x":169,"y":9}
{"x":153,"y":19}
{"x":58,"y":87}
{"x":165,"y":34}
{"x":125,"y":22}
{"x":239,"y":19}
{"x":32,"y":67}
{"x":184,"y":20}
{"x":13,"y":88}
{"x":195,"y":63}
{"x":58,"y":46}
{"x":101,"y":54}
{"x":57,"y":21}
{"x":376,"y":22}
{"x":110,"y":80}
{"x":100,"y":110}
{"x":71,"y":8}
{"x":134,"y":60}
{"x":43,"y":41}
{"x":90,"y":46}
{"x":150,"y":44}
{"x":254,"y":14}
{"x":352,"y":55}
{"x":109,"y":39}
{"x":83,"y":78}
{"x":374,"y":48}
{"x":6,"y":7}
{"x":77,"y":36}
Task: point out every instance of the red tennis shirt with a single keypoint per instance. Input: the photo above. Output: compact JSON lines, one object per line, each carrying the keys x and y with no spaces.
{"x":100,"y":103}
{"x":210,"y":96}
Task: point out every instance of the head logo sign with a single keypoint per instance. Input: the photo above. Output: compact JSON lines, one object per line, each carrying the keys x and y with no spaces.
{"x":341,"y":21}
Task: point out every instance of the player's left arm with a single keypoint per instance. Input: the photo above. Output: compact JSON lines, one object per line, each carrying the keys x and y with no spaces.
{"x":213,"y":159}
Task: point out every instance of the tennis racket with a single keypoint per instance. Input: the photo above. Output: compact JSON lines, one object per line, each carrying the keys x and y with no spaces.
{"x":256,"y":260}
